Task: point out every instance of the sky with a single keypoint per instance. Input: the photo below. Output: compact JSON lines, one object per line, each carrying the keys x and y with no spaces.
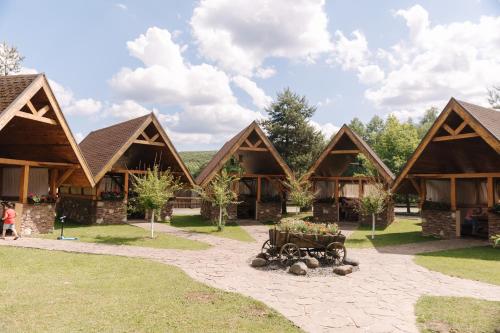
{"x":208,"y":68}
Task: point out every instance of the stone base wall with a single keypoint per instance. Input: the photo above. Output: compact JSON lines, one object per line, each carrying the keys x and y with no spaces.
{"x":110,"y":212}
{"x":382,"y":220}
{"x":438,"y":223}
{"x":211,"y":213}
{"x":79,"y":210}
{"x":325,"y":212}
{"x":37,"y":219}
{"x":493,"y":224}
{"x":268,"y":211}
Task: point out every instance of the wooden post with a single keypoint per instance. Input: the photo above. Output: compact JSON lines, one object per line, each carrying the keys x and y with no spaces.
{"x":125,"y":186}
{"x":53,"y":181}
{"x":453,"y":194}
{"x":23,"y":185}
{"x":491,"y":194}
{"x":423,"y":192}
{"x":337,"y":188}
{"x":258,"y":188}
{"x":98,"y":190}
{"x":360,"y":189}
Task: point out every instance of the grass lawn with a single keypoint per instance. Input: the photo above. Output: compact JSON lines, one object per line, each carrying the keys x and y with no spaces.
{"x":401,"y":231}
{"x":49,"y":291}
{"x":457,"y":314}
{"x":124,"y":234}
{"x":476,"y":263}
{"x":196,"y":223}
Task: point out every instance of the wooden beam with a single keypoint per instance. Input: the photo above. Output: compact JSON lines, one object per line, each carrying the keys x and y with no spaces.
{"x":257,"y":143}
{"x":30,"y":116}
{"x":415,"y":185}
{"x":64,"y":176}
{"x":449,"y":129}
{"x":249,"y":144}
{"x":10,"y":161}
{"x":253,"y":149}
{"x":460,"y":128}
{"x":453,"y":193}
{"x":455,"y":137}
{"x":32,"y":108}
{"x":360,"y":189}
{"x":154,"y":137}
{"x":43,"y":111}
{"x":259,"y":182}
{"x":354,"y":178}
{"x":144,"y":142}
{"x":53,"y":181}
{"x":456,"y":175}
{"x":145,"y":136}
{"x":490,"y":192}
{"x":337,"y":191}
{"x":423,"y":192}
{"x":125,"y":185}
{"x":345,"y":151}
{"x":23,"y":184}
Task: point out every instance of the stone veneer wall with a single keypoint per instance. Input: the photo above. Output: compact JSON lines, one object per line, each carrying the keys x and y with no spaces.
{"x":325,"y":212}
{"x":381,"y":220}
{"x":37,"y":219}
{"x":77,"y":209}
{"x":493,"y":224}
{"x":111,"y":212}
{"x":211,"y":213}
{"x":438,"y":223}
{"x":269,"y":211}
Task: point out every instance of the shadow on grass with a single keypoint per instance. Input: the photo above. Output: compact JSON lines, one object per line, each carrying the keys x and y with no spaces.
{"x":119,"y":240}
{"x":191,"y":221}
{"x":487,"y":253}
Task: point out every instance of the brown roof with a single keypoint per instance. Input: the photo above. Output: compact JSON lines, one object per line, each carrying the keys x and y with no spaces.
{"x":11,"y":86}
{"x":100,"y":146}
{"x":489,"y":118}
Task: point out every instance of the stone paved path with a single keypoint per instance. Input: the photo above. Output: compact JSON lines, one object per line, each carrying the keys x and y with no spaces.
{"x":378,"y":298}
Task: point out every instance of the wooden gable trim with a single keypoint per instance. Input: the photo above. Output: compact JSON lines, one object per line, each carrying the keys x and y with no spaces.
{"x":326,"y":151}
{"x":468,"y":119}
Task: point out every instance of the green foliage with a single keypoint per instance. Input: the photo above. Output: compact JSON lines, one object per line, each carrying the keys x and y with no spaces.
{"x":295,"y":225}
{"x":375,"y":201}
{"x":289,"y":130}
{"x":496,"y":240}
{"x":299,"y":191}
{"x":195,"y":161}
{"x":427,"y":121}
{"x":155,"y":188}
{"x":220,"y":193}
{"x":10,"y":59}
{"x":233,"y":166}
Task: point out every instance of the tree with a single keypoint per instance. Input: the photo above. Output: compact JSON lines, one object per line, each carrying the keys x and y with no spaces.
{"x":358,"y":127}
{"x":373,"y":129}
{"x":374,"y":202}
{"x":300,"y":191}
{"x":289,"y":130}
{"x":427,"y":121}
{"x":10,"y":59}
{"x":494,"y":97}
{"x":220,"y":193}
{"x":154,"y":190}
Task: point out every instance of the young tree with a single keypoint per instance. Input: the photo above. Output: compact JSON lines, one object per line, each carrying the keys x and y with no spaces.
{"x":300,"y":191}
{"x":155,"y":189}
{"x":10,"y":59}
{"x":494,"y":97}
{"x":374,"y":202}
{"x":289,"y":130}
{"x":220,"y":193}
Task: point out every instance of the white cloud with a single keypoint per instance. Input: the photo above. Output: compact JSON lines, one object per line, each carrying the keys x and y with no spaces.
{"x":121,"y":6}
{"x":203,"y":92}
{"x":240,"y":35}
{"x":73,"y":106}
{"x":259,"y":97}
{"x":350,"y":53}
{"x":127,"y":109}
{"x":328,"y":129}
{"x":265,"y":73}
{"x":370,"y":74}
{"x":79,"y":136}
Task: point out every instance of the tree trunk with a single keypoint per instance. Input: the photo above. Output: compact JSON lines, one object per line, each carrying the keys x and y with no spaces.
{"x":152,"y":223}
{"x":373,"y":226}
{"x":408,"y":208}
{"x":283,"y":204}
{"x":219,"y":227}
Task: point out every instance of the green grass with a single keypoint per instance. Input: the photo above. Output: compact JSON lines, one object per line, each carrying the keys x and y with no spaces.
{"x":476,"y":263}
{"x":401,"y":231}
{"x":457,"y":315}
{"x":49,"y":291}
{"x":124,"y":234}
{"x":196,"y":160}
{"x":196,"y":223}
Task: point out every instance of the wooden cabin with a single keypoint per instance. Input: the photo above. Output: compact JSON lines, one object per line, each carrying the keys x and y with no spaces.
{"x":262,"y":170}
{"x":113,"y":154}
{"x":38,"y":153}
{"x":455,"y":171}
{"x":338,"y":185}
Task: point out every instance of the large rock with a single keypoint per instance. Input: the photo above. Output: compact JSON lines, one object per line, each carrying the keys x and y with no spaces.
{"x":299,"y":268}
{"x":342,"y":270}
{"x":262,"y":256}
{"x":312,"y":262}
{"x":351,"y":261}
{"x":259,"y":262}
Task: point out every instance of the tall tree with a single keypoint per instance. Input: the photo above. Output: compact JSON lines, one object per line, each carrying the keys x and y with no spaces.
{"x":494,"y":97}
{"x":358,"y":127}
{"x":291,"y":133}
{"x":427,"y":121}
{"x":373,"y":129}
{"x":10,"y":59}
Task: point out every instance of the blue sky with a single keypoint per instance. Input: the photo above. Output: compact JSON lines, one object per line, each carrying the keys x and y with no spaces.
{"x":208,"y":67}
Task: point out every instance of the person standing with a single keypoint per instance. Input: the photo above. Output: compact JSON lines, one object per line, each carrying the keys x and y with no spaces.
{"x":9,"y":220}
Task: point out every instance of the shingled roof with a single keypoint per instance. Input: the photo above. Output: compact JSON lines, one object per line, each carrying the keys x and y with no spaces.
{"x":363,"y":147}
{"x":489,"y":118}
{"x":11,"y":86}
{"x":104,"y":146}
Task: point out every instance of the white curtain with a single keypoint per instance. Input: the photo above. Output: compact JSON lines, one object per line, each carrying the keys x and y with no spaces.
{"x":472,"y":192}
{"x":437,"y":190}
{"x":324,"y":189}
{"x":349,"y":190}
{"x":38,"y":181}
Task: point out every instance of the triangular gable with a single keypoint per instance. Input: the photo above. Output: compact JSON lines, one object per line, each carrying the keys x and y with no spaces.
{"x":361,"y":148}
{"x":241,"y":142}
{"x":36,"y":104}
{"x":475,"y":122}
{"x":104,"y":147}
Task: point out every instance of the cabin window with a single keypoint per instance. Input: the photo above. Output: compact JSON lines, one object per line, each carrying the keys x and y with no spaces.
{"x":349,"y":190}
{"x":437,"y":190}
{"x":324,"y":189}
{"x":38,"y":182}
{"x":472,"y":192}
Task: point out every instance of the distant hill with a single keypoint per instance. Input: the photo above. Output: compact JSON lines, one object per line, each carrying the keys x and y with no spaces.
{"x":196,"y":160}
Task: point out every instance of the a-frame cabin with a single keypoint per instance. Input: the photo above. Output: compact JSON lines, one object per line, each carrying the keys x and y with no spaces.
{"x":260,"y":191}
{"x":455,"y":171}
{"x":113,"y":154}
{"x":337,"y":186}
{"x":38,"y":152}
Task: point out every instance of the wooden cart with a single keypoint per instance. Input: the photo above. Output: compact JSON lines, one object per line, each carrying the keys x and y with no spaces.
{"x":290,"y":247}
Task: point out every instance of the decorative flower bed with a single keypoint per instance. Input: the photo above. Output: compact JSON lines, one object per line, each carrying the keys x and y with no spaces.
{"x":36,"y":199}
{"x":294,"y":225}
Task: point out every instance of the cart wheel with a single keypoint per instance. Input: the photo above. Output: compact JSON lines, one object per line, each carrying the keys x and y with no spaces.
{"x":289,"y":254}
{"x":335,"y":253}
{"x":315,"y":253}
{"x":269,"y":249}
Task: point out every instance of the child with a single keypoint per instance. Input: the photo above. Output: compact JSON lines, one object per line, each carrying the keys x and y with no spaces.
{"x":9,"y":220}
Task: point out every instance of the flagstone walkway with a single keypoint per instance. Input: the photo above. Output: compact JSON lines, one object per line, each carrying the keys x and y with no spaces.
{"x":380,"y":297}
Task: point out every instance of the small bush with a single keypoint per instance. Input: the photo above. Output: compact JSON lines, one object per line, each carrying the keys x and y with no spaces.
{"x":303,"y":227}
